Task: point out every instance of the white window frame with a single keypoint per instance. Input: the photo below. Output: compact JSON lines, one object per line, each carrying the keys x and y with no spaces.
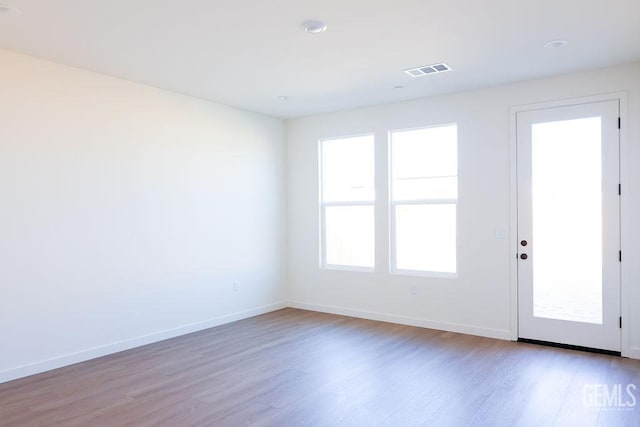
{"x":392,"y":211}
{"x":323,"y":205}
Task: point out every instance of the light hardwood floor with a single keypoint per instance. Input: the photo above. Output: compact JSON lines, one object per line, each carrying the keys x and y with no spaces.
{"x":300,"y":368}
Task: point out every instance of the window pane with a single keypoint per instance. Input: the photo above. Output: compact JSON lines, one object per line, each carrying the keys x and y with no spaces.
{"x":347,"y":169}
{"x":426,"y":188}
{"x":567,"y":220}
{"x":420,"y":155}
{"x":349,"y":235}
{"x":425,"y":237}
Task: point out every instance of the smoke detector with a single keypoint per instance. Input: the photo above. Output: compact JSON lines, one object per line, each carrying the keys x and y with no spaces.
{"x":554,"y":44}
{"x":313,"y":27}
{"x":428,"y":69}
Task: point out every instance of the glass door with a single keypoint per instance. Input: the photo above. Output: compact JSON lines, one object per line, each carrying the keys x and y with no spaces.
{"x":568,"y":225}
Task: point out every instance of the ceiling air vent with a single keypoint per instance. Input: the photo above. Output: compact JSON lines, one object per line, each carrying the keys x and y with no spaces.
{"x":428,"y":69}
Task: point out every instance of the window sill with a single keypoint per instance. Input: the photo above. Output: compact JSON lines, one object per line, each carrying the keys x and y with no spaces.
{"x":353,"y":268}
{"x":418,"y":273}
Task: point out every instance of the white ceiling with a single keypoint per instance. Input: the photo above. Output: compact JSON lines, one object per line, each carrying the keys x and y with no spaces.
{"x":246,"y":53}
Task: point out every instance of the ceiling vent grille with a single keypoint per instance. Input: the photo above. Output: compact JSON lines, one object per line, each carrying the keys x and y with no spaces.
{"x":428,"y":69}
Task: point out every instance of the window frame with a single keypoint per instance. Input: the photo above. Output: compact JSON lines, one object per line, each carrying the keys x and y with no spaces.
{"x":422,"y":202}
{"x":323,"y":205}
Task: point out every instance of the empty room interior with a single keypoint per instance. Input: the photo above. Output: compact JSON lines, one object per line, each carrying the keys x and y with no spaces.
{"x":319,"y":213}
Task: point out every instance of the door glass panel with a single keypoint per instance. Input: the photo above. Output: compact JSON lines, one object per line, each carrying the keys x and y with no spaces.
{"x":567,"y":220}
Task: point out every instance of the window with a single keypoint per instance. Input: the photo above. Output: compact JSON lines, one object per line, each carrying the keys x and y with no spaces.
{"x":424,"y":193}
{"x":347,"y":197}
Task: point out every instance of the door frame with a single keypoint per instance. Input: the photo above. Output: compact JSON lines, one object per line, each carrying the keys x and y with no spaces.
{"x":622,"y":97}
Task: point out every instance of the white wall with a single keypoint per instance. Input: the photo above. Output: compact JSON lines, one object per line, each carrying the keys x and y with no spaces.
{"x":126,"y":214}
{"x":478,"y":301}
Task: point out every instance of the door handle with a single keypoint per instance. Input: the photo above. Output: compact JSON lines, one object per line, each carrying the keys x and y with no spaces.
{"x":524,"y":256}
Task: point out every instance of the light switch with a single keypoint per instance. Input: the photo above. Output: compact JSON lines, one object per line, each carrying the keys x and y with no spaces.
{"x":501,"y":233}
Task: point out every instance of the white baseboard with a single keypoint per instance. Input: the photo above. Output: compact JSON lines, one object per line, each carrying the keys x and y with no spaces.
{"x":405,"y":320}
{"x":632,"y":353}
{"x":92,"y":353}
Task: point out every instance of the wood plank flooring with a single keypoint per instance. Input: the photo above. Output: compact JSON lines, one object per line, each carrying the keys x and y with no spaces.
{"x":300,"y":368}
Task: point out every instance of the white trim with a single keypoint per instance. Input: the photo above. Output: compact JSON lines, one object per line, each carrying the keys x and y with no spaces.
{"x":356,"y":135}
{"x":321,"y":227}
{"x":501,"y":334}
{"x":420,"y":273}
{"x":435,"y":125}
{"x":349,"y":203}
{"x":568,"y":102}
{"x":622,"y":97}
{"x":625,"y":222}
{"x":96,"y":352}
{"x":104,"y":350}
{"x":513,"y":224}
{"x":355,"y":268}
{"x":633,"y":353}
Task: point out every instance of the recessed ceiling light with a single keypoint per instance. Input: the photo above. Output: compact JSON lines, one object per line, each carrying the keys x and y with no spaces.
{"x":283,"y":98}
{"x":5,"y":9}
{"x":556,"y":44}
{"x":314,"y":27}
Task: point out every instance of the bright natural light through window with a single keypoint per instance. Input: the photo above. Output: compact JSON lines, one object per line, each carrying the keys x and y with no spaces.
{"x":424,"y":193}
{"x":567,"y":213}
{"x":347,"y":199}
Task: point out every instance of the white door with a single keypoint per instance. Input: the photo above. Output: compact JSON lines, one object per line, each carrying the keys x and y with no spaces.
{"x":569,"y":225}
